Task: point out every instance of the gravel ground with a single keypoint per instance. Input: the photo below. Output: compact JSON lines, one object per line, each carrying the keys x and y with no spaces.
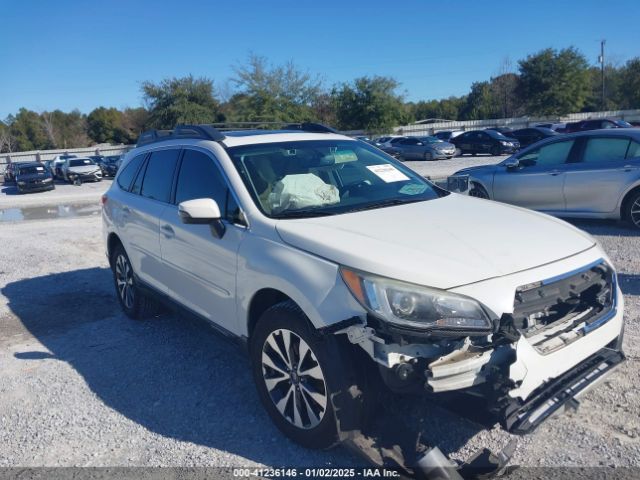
{"x":81,"y":385}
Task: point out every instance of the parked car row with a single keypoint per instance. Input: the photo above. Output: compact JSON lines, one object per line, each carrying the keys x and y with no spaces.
{"x":39,"y":176}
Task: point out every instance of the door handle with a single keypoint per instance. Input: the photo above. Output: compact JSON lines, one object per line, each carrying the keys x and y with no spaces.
{"x":167,"y":230}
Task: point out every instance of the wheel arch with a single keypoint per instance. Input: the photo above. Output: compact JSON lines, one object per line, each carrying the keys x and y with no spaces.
{"x":627,"y":197}
{"x":112,"y":242}
{"x":261,"y":301}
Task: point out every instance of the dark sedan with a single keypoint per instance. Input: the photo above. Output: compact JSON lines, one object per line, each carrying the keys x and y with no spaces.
{"x":596,"y":124}
{"x":485,"y":141}
{"x":529,"y":136}
{"x":11,"y":170}
{"x":33,"y":177}
{"x":110,"y":165}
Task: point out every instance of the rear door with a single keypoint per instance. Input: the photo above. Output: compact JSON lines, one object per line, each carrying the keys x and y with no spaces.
{"x":202,"y":268}
{"x":148,"y":197}
{"x":606,"y":167}
{"x":538,"y":182}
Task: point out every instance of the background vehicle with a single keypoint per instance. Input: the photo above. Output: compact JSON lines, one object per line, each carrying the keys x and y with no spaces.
{"x":528,"y":136}
{"x":387,"y":146}
{"x":423,"y":148}
{"x":485,"y":141}
{"x":593,"y":174}
{"x":556,"y":127}
{"x":596,"y":124}
{"x":33,"y":177}
{"x":81,"y":168}
{"x":311,"y":247}
{"x":10,"y":171}
{"x":447,"y":135}
{"x":110,"y":165}
{"x":57,"y":162}
{"x":506,"y":131}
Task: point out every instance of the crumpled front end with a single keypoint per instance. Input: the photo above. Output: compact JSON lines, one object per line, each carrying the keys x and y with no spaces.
{"x":557,"y":336}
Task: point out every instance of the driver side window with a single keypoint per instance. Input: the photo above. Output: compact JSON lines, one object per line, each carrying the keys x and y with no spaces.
{"x":548,"y":155}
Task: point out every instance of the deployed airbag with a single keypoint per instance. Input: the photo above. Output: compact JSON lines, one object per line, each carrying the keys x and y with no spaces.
{"x":302,"y":191}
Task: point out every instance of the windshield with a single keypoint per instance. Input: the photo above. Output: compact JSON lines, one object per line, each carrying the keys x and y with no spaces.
{"x":326,"y":177}
{"x":80,"y":162}
{"x":30,"y":170}
{"x":622,"y":123}
{"x":430,"y":140}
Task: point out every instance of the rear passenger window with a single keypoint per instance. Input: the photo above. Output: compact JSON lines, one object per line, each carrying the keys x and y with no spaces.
{"x":634,"y":150}
{"x":126,"y":176}
{"x":158,"y":177}
{"x":199,"y":177}
{"x":605,"y":150}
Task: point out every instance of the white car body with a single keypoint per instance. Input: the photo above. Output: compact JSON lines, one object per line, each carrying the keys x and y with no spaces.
{"x":89,"y":171}
{"x":480,"y":249}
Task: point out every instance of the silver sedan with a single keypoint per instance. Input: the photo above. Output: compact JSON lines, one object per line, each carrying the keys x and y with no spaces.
{"x":422,"y":148}
{"x":594,"y":174}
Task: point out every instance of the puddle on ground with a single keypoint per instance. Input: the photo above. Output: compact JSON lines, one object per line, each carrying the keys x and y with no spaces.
{"x":49,"y":212}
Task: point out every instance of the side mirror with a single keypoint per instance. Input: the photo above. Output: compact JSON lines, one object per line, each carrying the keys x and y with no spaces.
{"x":512,"y":164}
{"x":203,"y":211}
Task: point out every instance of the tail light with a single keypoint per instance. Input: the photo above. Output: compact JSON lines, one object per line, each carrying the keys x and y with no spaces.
{"x":104,"y":199}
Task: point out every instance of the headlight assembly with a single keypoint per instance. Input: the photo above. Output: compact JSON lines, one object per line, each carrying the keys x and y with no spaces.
{"x":416,"y":307}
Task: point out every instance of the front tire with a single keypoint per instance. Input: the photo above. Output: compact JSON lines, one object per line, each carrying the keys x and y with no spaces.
{"x":300,"y":375}
{"x":134,"y":303}
{"x":478,"y":191}
{"x":631,"y":210}
{"x":428,"y":156}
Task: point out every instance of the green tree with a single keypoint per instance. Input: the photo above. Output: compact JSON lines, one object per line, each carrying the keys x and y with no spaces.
{"x":630,"y":84}
{"x":369,"y":103}
{"x":107,"y":125}
{"x":554,"y":82}
{"x":28,"y":132}
{"x":134,"y":121}
{"x":481,"y":103}
{"x":273,"y":93}
{"x":180,"y":100}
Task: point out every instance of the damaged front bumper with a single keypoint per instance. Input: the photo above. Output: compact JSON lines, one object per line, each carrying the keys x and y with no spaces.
{"x":527,"y":370}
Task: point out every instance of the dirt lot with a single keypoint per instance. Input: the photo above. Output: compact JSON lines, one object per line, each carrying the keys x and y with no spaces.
{"x":80,"y":384}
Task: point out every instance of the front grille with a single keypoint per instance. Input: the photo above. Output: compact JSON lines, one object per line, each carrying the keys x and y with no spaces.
{"x":555,"y":312}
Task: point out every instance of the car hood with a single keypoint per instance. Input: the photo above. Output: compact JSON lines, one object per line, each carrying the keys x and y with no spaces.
{"x":443,"y":243}
{"x":444,"y":145}
{"x":84,"y":169}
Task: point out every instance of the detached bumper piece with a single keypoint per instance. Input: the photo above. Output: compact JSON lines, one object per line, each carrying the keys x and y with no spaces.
{"x":521,"y":418}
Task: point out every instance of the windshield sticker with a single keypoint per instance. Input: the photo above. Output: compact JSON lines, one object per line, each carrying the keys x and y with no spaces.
{"x":388,"y":173}
{"x":40,"y":169}
{"x":413,"y":189}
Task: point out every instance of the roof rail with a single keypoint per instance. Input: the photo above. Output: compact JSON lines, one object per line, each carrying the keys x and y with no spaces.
{"x":204,"y":132}
{"x":302,"y":126}
{"x":214,"y":131}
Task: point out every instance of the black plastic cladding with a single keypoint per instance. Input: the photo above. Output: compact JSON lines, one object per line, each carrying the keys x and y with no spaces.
{"x":210,"y":132}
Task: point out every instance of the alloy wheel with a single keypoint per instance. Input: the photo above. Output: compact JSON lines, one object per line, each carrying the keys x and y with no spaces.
{"x":294,"y":379}
{"x":635,"y":213}
{"x":124,"y":280}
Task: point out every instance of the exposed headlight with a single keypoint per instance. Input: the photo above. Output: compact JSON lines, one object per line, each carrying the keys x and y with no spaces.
{"x":417,"y":307}
{"x":502,"y":142}
{"x":22,"y":183}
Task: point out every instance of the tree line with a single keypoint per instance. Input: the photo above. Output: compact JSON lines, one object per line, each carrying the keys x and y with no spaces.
{"x":548,"y":83}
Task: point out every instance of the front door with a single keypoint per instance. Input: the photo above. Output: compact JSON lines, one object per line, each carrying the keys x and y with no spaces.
{"x":202,"y":267}
{"x":538,"y":181}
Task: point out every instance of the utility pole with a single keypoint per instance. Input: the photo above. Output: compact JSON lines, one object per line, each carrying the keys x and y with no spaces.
{"x":601,"y":60}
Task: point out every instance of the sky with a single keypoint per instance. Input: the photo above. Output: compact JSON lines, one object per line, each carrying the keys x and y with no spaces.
{"x":67,"y":54}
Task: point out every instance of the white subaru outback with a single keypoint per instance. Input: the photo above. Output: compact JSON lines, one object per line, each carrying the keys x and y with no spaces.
{"x":335,"y":263}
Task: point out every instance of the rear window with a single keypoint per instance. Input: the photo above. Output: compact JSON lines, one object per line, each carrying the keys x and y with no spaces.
{"x":126,"y":176}
{"x":158,"y":176}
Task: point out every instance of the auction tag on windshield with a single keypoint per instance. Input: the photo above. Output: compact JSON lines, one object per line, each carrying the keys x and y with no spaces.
{"x":388,"y":173}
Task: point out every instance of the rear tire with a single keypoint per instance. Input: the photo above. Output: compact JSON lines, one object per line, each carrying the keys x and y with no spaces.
{"x":134,"y":303}
{"x":631,"y":209}
{"x":299,"y":385}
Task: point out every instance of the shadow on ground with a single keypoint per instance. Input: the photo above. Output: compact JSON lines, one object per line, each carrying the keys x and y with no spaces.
{"x":177,"y":377}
